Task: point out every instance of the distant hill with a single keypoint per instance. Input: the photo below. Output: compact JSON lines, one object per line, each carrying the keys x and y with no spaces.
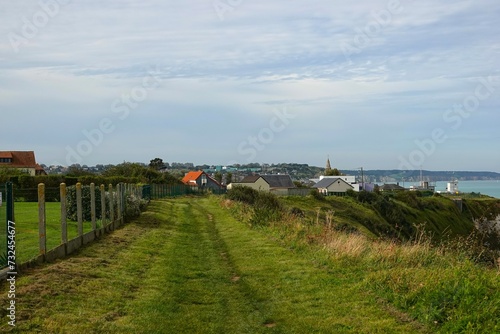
{"x":414,"y":175}
{"x":304,"y":171}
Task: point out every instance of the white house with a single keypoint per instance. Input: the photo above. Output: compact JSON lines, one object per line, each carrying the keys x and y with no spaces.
{"x":333,"y":186}
{"x":452,"y":187}
{"x":351,"y":179}
{"x":274,"y":183}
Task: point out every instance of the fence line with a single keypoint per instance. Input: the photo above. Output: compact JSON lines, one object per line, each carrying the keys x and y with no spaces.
{"x":117,"y":199}
{"x":158,"y":191}
{"x":113,"y":205}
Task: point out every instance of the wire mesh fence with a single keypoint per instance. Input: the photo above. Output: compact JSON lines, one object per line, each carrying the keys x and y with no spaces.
{"x":6,"y":215}
{"x":3,"y":223}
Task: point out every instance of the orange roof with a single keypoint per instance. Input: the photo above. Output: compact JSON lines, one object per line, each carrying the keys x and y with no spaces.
{"x":20,"y":159}
{"x":191,"y":177}
{"x":6,"y":155}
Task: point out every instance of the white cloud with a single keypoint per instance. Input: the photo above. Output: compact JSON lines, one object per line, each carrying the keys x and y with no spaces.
{"x":224,"y":77}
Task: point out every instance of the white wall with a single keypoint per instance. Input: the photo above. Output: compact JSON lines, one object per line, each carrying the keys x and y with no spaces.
{"x":347,"y":178}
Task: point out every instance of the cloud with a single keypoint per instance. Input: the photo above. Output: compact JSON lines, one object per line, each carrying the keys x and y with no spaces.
{"x":221,"y":79}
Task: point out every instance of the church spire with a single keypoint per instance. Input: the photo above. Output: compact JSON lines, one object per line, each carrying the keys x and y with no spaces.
{"x":328,"y":165}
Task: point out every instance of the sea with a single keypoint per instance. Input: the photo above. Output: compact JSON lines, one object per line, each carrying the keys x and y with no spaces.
{"x":485,"y":187}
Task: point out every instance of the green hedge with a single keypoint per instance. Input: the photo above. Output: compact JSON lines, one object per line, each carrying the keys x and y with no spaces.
{"x":266,"y":206}
{"x":71,"y":206}
{"x":133,"y":205}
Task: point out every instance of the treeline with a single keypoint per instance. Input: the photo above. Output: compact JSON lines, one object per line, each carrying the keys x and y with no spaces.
{"x":25,"y":186}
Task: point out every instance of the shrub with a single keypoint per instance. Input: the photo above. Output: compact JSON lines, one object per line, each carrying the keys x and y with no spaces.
{"x":351,"y":193}
{"x":316,"y":195}
{"x":243,"y":194}
{"x":132,"y":207}
{"x":266,"y":206}
{"x":297,"y":212}
{"x":71,"y":206}
{"x":411,"y":198}
{"x":267,"y":209}
{"x":367,"y":197}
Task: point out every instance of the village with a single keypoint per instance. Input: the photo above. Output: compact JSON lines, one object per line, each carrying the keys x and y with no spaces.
{"x":278,"y":180}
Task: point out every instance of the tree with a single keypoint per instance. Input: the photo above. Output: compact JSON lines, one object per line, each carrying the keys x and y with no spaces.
{"x":147,"y":173}
{"x":299,"y":184}
{"x":77,"y":170}
{"x":333,"y":172}
{"x":156,"y":164}
{"x":126,"y":169}
{"x":229,"y":178}
{"x":218,"y":177}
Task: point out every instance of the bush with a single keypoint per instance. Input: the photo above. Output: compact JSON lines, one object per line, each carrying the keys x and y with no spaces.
{"x":243,"y":194}
{"x":352,"y":194}
{"x":297,"y":212}
{"x":411,"y":198}
{"x":267,"y":209}
{"x":132,"y":207}
{"x":266,"y":206}
{"x":367,"y":197}
{"x":316,"y":195}
{"x":71,"y":206}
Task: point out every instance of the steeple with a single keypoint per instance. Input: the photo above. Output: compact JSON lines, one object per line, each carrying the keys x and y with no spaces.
{"x":328,"y":165}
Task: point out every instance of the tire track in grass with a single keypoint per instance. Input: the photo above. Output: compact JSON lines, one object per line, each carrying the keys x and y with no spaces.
{"x":257,"y":311}
{"x":190,"y":288}
{"x":296,"y":295}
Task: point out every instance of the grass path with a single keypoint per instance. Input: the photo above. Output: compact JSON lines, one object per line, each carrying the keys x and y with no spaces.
{"x":186,"y":266}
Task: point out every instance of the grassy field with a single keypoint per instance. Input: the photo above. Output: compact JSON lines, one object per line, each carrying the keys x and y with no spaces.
{"x":188,"y":266}
{"x":26,"y":219}
{"x":196,"y":265}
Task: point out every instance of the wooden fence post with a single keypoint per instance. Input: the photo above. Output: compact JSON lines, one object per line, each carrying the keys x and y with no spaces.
{"x":119,"y":202}
{"x":103,"y":205}
{"x":111,"y":204}
{"x":79,"y":209}
{"x":42,"y":230}
{"x":92,"y":206}
{"x":64,"y":218}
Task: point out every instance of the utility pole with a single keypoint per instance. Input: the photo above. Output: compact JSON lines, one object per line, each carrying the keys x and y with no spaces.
{"x":362,"y":178}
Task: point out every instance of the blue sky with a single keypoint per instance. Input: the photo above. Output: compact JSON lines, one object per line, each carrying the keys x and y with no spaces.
{"x":394,"y":84}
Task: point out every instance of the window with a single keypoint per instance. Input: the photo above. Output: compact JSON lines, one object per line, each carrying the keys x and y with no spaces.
{"x":6,"y":160}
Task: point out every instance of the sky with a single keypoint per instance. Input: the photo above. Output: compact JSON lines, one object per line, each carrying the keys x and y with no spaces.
{"x":390,"y":84}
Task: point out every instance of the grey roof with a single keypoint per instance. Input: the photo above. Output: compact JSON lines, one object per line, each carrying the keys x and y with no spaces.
{"x":391,"y":186}
{"x":279,"y":181}
{"x":326,"y":182}
{"x":250,"y":179}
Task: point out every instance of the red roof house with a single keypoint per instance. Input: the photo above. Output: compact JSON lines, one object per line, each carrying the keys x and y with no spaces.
{"x":201,"y":180}
{"x":21,"y":160}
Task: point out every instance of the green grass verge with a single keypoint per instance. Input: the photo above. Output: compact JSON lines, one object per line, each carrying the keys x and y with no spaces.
{"x":437,"y":284}
{"x":26,"y":219}
{"x":187,"y":266}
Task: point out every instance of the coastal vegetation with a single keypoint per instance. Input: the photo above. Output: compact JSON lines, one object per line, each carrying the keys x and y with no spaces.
{"x":251,"y":262}
{"x":421,"y":255}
